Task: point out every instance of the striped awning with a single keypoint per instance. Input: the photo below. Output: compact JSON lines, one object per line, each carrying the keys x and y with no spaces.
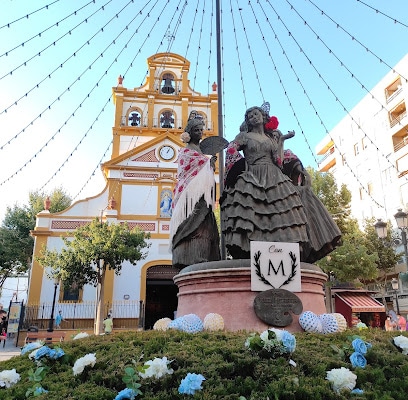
{"x":361,"y":302}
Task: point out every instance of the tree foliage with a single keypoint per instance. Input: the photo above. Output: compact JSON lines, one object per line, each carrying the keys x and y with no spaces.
{"x":16,"y":244}
{"x":356,"y":259}
{"x":93,"y":249}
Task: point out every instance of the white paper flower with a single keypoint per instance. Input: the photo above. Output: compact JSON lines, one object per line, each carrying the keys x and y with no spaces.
{"x":341,"y":378}
{"x":278,"y":333}
{"x":33,"y":353}
{"x":162,"y":324}
{"x":9,"y":377}
{"x":157,"y":368}
{"x":80,"y":335}
{"x":81,"y":363}
{"x":213,"y":322}
{"x":402,"y":343}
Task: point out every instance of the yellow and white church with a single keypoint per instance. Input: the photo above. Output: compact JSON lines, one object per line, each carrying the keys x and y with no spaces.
{"x":140,"y":177}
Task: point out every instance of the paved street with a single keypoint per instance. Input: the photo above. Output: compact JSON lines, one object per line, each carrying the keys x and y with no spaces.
{"x":10,"y":349}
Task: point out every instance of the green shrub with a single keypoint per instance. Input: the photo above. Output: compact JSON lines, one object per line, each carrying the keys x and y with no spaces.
{"x":229,"y":369}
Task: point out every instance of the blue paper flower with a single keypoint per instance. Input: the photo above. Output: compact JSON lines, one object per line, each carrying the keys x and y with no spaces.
{"x":359,"y":345}
{"x":126,"y":394}
{"x":289,"y":341}
{"x":56,"y":353}
{"x":39,"y":390}
{"x":191,"y":383}
{"x":42,"y":352}
{"x":357,"y":391}
{"x":358,"y":360}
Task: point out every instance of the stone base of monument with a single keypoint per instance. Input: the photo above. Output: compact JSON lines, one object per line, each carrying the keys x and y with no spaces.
{"x":224,"y":287}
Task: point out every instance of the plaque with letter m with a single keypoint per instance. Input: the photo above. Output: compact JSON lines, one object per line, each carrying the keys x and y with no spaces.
{"x":275,"y":265}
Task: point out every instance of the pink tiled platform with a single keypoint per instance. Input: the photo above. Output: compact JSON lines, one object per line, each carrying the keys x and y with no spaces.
{"x":224,"y":287}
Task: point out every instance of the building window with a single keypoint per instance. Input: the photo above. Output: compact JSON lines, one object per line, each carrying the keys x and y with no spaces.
{"x":71,"y":292}
{"x":167,"y":119}
{"x":361,"y":191}
{"x":364,"y":142}
{"x":134,"y":118}
{"x":356,"y":149}
{"x":370,"y":189}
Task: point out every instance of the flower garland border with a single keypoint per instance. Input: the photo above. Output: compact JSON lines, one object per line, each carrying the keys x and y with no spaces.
{"x":257,"y":265}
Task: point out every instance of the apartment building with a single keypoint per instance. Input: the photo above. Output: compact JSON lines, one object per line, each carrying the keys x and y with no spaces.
{"x":368,"y":152}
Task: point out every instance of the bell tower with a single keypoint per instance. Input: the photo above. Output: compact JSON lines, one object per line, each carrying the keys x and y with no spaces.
{"x":161,"y":105}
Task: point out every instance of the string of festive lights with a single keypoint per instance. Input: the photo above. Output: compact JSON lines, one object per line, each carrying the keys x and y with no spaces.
{"x":366,"y":48}
{"x":77,"y":79}
{"x":320,"y":75}
{"x":62,"y":64}
{"x":238,"y":54}
{"x":285,"y":91}
{"x":93,"y":172}
{"x":38,"y":35}
{"x":116,"y":185}
{"x":177,"y":14}
{"x":353,"y":76}
{"x":250,"y":52}
{"x":26,"y":16}
{"x":377,"y":11}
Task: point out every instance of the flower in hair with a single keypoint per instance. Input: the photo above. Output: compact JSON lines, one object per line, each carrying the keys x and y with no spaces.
{"x":185,"y":137}
{"x":272,"y":124}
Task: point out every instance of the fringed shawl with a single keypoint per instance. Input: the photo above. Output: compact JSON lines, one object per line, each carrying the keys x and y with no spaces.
{"x":195,"y":179}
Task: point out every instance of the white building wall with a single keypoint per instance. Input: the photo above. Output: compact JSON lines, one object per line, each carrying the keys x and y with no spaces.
{"x":364,"y":151}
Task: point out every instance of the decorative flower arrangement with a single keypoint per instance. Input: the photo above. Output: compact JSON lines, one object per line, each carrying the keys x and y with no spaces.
{"x":191,"y":383}
{"x":356,"y":352}
{"x":9,"y":377}
{"x":323,"y":323}
{"x":213,"y":322}
{"x":272,"y":124}
{"x":341,"y":378}
{"x":272,"y":343}
{"x":126,"y":393}
{"x":402,"y":342}
{"x":189,"y":323}
{"x":360,"y":348}
{"x":29,"y":347}
{"x":81,"y":363}
{"x":156,"y":368}
{"x":80,"y":335}
{"x":162,"y":324}
{"x":45,"y":351}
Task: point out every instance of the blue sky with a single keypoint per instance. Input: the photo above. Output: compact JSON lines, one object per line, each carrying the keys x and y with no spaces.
{"x":299,"y":55}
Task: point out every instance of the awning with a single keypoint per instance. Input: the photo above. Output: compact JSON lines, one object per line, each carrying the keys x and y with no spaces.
{"x":361,"y":302}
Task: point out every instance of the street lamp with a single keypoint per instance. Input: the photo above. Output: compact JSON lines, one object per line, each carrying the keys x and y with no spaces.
{"x":381,"y":229}
{"x":402,"y":222}
{"x":394,"y":283}
{"x":51,"y":324}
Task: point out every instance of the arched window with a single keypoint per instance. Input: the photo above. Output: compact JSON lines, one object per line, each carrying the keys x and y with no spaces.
{"x":134,"y":118}
{"x":167,"y":84}
{"x":167,"y":119}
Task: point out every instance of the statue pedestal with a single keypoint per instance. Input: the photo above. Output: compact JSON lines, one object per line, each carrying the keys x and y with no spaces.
{"x":224,"y":287}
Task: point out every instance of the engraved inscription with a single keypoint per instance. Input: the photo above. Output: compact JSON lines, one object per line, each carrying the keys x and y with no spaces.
{"x":274,"y":306}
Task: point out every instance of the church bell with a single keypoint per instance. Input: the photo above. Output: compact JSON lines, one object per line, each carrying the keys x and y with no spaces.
{"x":167,"y":87}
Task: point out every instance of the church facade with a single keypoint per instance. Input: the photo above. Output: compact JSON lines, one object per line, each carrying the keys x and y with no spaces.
{"x":140,"y":177}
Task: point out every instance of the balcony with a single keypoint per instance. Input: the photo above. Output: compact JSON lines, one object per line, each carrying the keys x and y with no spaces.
{"x":328,"y":161}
